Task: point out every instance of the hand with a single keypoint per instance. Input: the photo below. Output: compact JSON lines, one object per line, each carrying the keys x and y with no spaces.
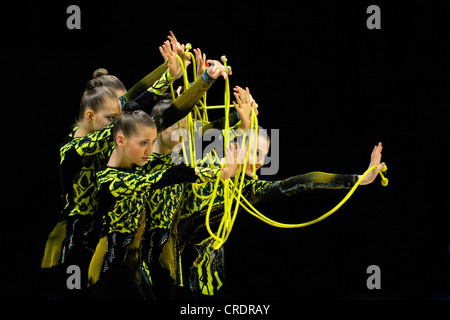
{"x":180,"y":48}
{"x":178,"y":91}
{"x":375,"y":159}
{"x":168,"y":54}
{"x":254,"y":104}
{"x":181,"y":52}
{"x":200,"y":61}
{"x":244,"y":105}
{"x":169,"y":51}
{"x":216,"y":69}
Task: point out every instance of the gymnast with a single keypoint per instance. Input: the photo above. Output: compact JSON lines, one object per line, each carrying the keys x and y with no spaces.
{"x":124,"y":185}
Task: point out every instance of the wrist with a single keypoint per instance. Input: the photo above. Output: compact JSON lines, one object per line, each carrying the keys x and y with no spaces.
{"x":362,"y":183}
{"x":161,"y":85}
{"x":207,"y":78}
{"x":169,"y":75}
{"x":206,"y":174}
{"x":244,"y":126}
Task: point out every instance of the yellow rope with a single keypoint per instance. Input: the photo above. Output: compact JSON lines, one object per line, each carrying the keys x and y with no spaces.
{"x":233,"y":189}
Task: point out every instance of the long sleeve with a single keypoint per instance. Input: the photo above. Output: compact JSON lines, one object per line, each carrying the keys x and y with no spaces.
{"x":176,"y":175}
{"x":95,"y":142}
{"x":148,"y":99}
{"x":157,"y":162}
{"x":123,"y":183}
{"x":184,"y":103}
{"x":268,"y":190}
{"x":145,"y":83}
{"x":219,"y":124}
{"x":180,"y":107}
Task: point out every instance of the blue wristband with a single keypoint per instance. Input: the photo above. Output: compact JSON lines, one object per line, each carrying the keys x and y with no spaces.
{"x":206,"y":78}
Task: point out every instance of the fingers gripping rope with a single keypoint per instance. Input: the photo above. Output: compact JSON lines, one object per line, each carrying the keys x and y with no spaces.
{"x":233,"y":188}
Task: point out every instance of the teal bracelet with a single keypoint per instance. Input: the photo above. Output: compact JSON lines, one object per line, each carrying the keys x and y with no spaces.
{"x":206,"y":78}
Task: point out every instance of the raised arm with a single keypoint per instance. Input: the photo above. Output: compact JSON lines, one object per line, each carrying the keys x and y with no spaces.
{"x":187,"y":100}
{"x":158,"y":81}
{"x":144,"y":83}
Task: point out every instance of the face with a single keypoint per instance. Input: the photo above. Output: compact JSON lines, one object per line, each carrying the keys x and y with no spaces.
{"x":170,"y":137}
{"x":262,"y":149}
{"x":109,"y":111}
{"x":137,"y":147}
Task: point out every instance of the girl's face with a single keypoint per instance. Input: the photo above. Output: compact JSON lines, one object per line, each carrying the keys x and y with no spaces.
{"x":262,"y":149}
{"x":109,"y":111}
{"x":137,"y":147}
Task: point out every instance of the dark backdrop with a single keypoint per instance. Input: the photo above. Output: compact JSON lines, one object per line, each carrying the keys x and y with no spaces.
{"x":331,"y":86}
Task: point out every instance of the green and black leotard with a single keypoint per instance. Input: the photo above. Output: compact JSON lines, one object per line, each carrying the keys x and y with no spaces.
{"x":80,"y":158}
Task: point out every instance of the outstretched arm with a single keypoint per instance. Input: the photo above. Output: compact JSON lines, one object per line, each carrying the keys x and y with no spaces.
{"x":265,"y":190}
{"x":271,"y":190}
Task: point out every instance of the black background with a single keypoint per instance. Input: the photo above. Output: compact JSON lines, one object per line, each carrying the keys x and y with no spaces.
{"x":331,"y":86}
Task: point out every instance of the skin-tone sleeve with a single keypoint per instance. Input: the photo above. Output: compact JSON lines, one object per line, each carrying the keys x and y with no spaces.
{"x":182,"y":105}
{"x":145,"y":83}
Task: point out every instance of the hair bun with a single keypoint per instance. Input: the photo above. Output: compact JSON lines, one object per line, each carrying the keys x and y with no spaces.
{"x":100,"y":72}
{"x":131,"y":106}
{"x":94,"y":83}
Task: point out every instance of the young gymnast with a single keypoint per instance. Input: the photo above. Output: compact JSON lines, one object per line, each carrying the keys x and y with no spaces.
{"x":164,"y":204}
{"x":123,"y":188}
{"x":68,"y":242}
